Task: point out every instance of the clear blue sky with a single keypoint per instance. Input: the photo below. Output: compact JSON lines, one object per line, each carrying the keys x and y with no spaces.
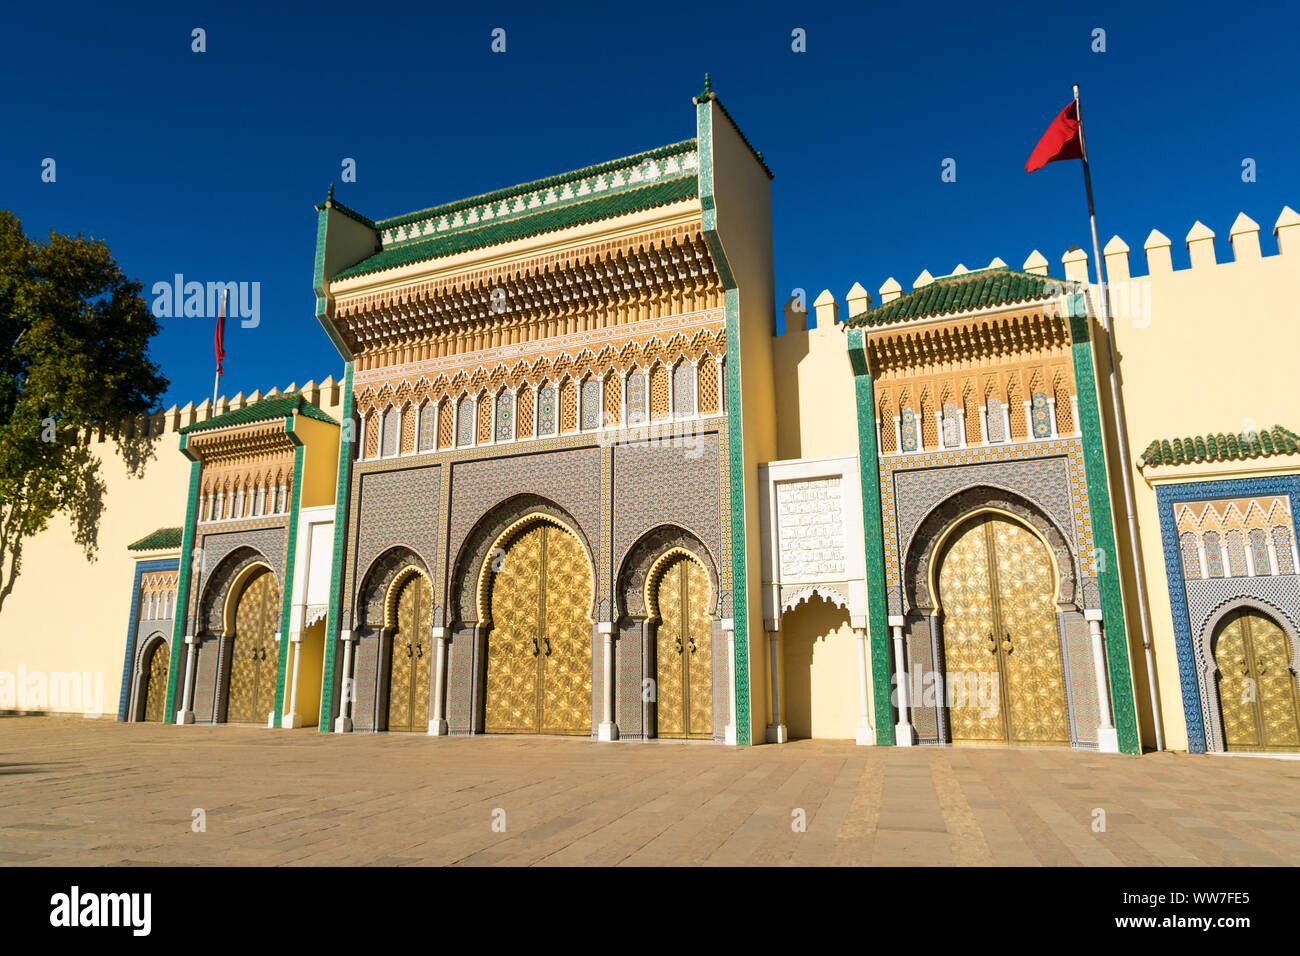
{"x":210,"y":164}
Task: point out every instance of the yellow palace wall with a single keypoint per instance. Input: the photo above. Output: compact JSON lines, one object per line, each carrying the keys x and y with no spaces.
{"x":1204,"y":348}
{"x":67,"y":615}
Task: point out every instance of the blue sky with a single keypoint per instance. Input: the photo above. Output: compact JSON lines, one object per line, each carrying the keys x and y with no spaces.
{"x":210,"y":164}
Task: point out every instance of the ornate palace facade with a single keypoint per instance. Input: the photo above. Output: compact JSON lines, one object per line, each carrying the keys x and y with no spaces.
{"x":572,"y":481}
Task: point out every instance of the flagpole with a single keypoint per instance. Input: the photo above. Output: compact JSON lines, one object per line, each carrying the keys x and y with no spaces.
{"x":216,"y":378}
{"x":1121,"y":432}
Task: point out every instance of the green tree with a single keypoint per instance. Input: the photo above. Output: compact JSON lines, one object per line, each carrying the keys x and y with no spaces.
{"x":74,"y":338}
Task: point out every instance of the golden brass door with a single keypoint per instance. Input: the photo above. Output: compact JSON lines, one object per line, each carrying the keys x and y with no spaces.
{"x":1001,"y":643}
{"x":155,"y":688}
{"x":683,"y":652}
{"x":539,"y":648}
{"x":408,"y":674}
{"x":254,"y":662}
{"x":1257,"y":688}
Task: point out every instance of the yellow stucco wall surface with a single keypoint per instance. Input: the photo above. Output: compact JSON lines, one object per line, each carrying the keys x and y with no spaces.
{"x":821,"y":671}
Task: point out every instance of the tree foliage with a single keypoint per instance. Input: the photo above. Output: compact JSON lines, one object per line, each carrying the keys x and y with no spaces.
{"x":74,"y":337}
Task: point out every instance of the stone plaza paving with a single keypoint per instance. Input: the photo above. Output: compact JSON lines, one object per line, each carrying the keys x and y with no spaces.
{"x":96,"y":792}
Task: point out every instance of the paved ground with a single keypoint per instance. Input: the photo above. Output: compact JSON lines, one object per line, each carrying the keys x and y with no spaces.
{"x":86,"y":792}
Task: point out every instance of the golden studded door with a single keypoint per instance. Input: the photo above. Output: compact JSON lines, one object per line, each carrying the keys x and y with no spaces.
{"x":253,"y":660}
{"x":1257,"y":688}
{"x":539,"y":648}
{"x":1001,"y":644}
{"x":683,"y":651}
{"x":408,"y":674}
{"x":155,"y":689}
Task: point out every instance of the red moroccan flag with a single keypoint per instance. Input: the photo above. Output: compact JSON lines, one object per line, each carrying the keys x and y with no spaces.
{"x":1060,"y":141}
{"x":220,"y":340}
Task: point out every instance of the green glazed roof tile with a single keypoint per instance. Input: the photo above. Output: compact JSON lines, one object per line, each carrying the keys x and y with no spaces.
{"x":1221,"y":447}
{"x":281,"y":406}
{"x":964,"y":293}
{"x":615,"y":204}
{"x":157,"y":540}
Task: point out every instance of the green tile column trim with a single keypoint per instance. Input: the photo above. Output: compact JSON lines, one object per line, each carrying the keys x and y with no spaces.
{"x":290,"y":560}
{"x":1103,"y":527}
{"x":341,"y":488}
{"x":735,"y":435}
{"x":180,"y":651}
{"x":873,"y":538}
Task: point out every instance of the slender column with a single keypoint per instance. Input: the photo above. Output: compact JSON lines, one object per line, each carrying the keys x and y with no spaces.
{"x":292,"y":719}
{"x":940,"y":443}
{"x":729,"y":628}
{"x":984,"y":425}
{"x":776,"y":730}
{"x":1200,"y":550}
{"x":1250,"y":557}
{"x":186,"y":714}
{"x":961,"y":428}
{"x":1107,"y":737}
{"x":343,"y":723}
{"x":898,"y":435}
{"x":1272,"y":552}
{"x":1029,"y":422}
{"x":904,"y":735}
{"x":1006,"y":421}
{"x":608,"y":730}
{"x":864,"y":734}
{"x":1074,"y":407}
{"x":877,"y":432}
{"x":1051,"y":417}
{"x":438,"y":722}
{"x":1223,"y":554}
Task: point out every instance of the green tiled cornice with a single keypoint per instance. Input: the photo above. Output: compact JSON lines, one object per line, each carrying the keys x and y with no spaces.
{"x":546,"y":220}
{"x":964,"y":293}
{"x":1221,"y":447}
{"x":281,"y":406}
{"x":163,"y":538}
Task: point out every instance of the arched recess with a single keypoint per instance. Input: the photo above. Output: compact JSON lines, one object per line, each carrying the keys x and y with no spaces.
{"x":534,"y":597}
{"x":1210,"y":675}
{"x":464,"y":599}
{"x":934,"y":529}
{"x":667,"y":595}
{"x":376,"y":598}
{"x":222,"y":588}
{"x":149,"y":683}
{"x":650,"y":548}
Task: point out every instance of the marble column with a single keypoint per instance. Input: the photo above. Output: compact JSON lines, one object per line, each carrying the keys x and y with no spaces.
{"x":1107,"y":737}
{"x":904,"y":735}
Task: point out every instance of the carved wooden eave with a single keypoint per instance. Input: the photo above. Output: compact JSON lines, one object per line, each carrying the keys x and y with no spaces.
{"x":658,"y":272}
{"x":968,"y":341}
{"x":241,"y":444}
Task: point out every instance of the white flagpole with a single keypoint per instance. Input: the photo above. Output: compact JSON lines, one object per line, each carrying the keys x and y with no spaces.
{"x":216,"y":378}
{"x":1121,"y":434}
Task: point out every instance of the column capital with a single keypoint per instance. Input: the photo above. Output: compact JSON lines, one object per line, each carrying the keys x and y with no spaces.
{"x":728,"y":623}
{"x":437,"y":632}
{"x":897,"y":620}
{"x":1092,"y":614}
{"x":604,"y":627}
{"x":346,"y":635}
{"x":191,"y":639}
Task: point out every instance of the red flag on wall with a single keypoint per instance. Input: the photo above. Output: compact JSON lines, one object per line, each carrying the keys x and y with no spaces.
{"x":220,"y":339}
{"x":1060,"y":141}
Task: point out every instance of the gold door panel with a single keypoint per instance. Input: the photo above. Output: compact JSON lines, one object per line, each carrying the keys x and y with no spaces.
{"x":1000,"y":633}
{"x":1030,"y":649}
{"x":254,"y":663}
{"x":513,"y":644}
{"x":670,"y":646}
{"x":567,"y":640}
{"x":699,"y":651}
{"x":1257,"y":688}
{"x":1240,"y":723}
{"x":155,"y":697}
{"x":684,"y":653}
{"x":966,"y":593}
{"x":408,"y":676}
